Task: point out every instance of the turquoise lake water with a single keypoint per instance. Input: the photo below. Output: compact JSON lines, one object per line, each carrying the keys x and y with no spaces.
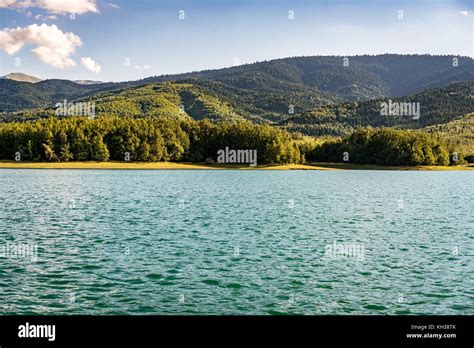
{"x":236,"y":242}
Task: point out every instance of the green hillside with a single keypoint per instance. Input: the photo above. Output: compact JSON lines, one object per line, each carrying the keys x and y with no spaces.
{"x":269,"y":88}
{"x":459,"y":133}
{"x":15,"y":95}
{"x":437,"y":106}
{"x":200,"y":99}
{"x":173,"y":100}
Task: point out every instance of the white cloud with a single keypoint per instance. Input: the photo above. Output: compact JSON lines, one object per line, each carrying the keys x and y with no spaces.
{"x":54,"y":47}
{"x":7,"y":3}
{"x":113,"y":5}
{"x":53,"y":6}
{"x":90,"y":64}
{"x":142,"y":67}
{"x":43,"y":18}
{"x":464,"y":13}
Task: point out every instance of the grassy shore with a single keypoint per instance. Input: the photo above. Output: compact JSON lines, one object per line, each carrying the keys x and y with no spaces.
{"x":199,"y":166}
{"x":352,"y":166}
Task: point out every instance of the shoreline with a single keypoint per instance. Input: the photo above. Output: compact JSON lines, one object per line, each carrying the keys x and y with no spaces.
{"x":202,"y":166}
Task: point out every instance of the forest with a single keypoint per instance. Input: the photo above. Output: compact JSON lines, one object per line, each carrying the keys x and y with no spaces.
{"x":144,"y":139}
{"x":188,"y":140}
{"x":389,"y":147}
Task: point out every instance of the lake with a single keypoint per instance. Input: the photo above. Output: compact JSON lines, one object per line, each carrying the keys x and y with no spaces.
{"x":236,"y":242}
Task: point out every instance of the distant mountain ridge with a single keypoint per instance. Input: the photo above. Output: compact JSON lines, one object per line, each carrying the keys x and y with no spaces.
{"x":17,"y":76}
{"x":271,"y":90}
{"x":88,"y":82}
{"x":21,"y":77}
{"x":349,"y":78}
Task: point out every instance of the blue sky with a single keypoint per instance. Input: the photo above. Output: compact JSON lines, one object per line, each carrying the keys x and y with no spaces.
{"x":132,"y":39}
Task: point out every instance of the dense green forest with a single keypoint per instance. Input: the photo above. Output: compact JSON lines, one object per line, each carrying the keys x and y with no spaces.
{"x":145,"y":139}
{"x":458,"y":133}
{"x":173,"y":139}
{"x":388,"y":147}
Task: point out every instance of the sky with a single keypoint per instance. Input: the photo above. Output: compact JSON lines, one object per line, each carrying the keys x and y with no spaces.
{"x":121,"y":40}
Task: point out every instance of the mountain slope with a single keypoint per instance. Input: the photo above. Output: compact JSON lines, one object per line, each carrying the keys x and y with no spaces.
{"x":164,"y":99}
{"x":15,"y":95}
{"x":458,"y":132}
{"x":269,"y":89}
{"x":198,"y":99}
{"x":151,"y":100}
{"x":437,"y":106}
{"x":364,"y":77}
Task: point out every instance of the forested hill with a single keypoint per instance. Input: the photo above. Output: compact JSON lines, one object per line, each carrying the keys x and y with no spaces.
{"x":16,"y":95}
{"x":201,"y":100}
{"x":360,"y":78}
{"x":436,"y":106}
{"x":268,"y":88}
{"x":167,"y":99}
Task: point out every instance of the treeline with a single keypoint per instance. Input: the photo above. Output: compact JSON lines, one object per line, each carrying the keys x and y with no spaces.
{"x":188,"y":140}
{"x":388,"y":147}
{"x":142,"y":139}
